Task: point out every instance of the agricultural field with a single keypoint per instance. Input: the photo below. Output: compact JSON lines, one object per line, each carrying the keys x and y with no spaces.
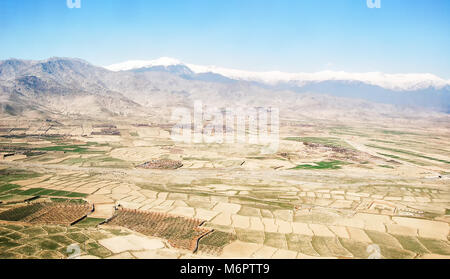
{"x":115,"y":189}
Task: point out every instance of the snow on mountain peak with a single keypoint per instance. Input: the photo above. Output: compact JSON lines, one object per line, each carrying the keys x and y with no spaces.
{"x":387,"y":81}
{"x":137,"y":64}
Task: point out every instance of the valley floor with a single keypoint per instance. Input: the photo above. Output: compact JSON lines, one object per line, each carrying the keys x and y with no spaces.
{"x":333,"y":190}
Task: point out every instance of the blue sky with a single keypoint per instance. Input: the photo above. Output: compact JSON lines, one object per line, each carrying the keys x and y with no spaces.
{"x":296,"y":35}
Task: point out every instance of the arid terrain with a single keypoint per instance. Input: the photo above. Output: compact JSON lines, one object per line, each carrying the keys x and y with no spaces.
{"x":334,"y":189}
{"x":238,"y":131}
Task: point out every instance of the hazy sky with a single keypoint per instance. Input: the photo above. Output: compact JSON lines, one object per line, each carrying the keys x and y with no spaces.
{"x":295,"y":36}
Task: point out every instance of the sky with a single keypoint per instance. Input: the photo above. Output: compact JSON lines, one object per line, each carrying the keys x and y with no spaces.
{"x":403,"y":36}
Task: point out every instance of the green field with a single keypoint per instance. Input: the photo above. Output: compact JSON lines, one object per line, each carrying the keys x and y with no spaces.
{"x":401,"y":151}
{"x":334,"y":165}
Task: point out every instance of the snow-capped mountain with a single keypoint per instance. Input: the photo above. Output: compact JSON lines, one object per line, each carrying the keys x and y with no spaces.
{"x":395,"y":82}
{"x":137,"y":64}
{"x":74,"y":86}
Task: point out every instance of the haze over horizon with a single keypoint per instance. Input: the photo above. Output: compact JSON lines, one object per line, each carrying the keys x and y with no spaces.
{"x":287,"y":36}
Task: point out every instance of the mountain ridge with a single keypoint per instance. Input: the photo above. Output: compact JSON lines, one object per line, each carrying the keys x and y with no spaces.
{"x":399,"y":82}
{"x":423,"y":95}
{"x":74,"y":86}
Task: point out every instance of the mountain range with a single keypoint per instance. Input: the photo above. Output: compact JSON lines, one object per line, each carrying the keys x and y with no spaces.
{"x":420,"y":90}
{"x":396,"y":82}
{"x":71,"y":86}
